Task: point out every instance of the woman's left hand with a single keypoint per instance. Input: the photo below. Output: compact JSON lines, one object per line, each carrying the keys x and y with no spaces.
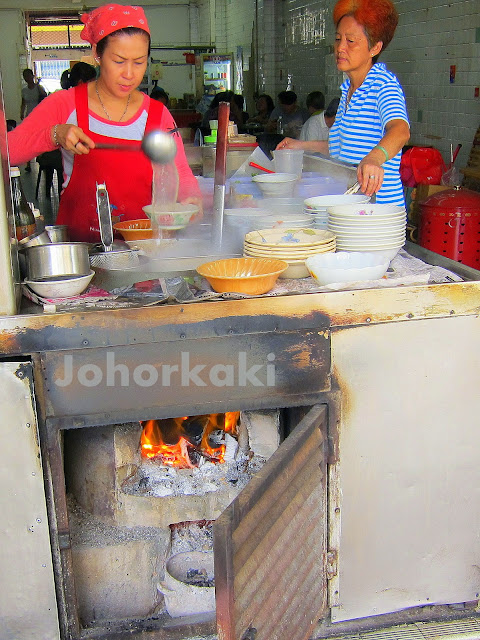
{"x":369,"y":176}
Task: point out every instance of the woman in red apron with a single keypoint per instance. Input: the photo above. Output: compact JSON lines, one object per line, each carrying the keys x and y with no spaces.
{"x":108,"y":110}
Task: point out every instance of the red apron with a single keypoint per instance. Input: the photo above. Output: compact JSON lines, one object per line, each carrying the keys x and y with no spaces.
{"x":126,"y":174}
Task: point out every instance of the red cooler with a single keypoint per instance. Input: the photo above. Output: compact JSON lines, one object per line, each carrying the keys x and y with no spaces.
{"x":450,"y":225}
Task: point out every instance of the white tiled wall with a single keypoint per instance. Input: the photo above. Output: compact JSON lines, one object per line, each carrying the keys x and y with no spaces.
{"x":294,"y":39}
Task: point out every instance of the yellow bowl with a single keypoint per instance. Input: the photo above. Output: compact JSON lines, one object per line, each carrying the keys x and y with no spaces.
{"x":252,"y":276}
{"x":134,"y":229}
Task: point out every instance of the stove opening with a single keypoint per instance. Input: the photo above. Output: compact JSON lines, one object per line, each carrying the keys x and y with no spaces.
{"x":189,"y":442}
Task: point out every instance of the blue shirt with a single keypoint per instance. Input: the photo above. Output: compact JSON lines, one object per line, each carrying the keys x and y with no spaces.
{"x":360,"y":125}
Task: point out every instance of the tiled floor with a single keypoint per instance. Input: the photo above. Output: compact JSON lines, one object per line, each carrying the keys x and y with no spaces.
{"x":47,"y":206}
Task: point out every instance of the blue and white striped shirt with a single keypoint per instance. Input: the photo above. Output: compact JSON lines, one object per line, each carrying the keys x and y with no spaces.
{"x":361,"y":126}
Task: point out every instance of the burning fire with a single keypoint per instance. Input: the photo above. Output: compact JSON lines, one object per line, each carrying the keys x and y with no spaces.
{"x":182,"y":442}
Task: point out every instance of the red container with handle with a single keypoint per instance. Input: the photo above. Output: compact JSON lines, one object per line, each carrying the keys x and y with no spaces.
{"x":450,"y":225}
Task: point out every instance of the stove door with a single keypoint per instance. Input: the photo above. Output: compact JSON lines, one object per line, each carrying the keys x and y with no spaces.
{"x":270,"y":543}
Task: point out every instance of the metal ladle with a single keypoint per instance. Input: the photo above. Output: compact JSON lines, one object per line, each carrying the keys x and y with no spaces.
{"x":157,"y":145}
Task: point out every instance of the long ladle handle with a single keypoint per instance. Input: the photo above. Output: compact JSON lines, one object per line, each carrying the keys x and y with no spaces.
{"x":118,"y":147}
{"x":220,"y":172}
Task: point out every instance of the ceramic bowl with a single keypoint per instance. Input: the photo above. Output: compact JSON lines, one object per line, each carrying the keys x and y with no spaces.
{"x":175,"y":217}
{"x":343,"y":266}
{"x":252,"y":276}
{"x":276,"y":185}
{"x":66,"y":287}
{"x":134,"y":229}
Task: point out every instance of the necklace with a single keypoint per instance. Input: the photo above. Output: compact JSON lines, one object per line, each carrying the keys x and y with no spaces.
{"x":103,"y":106}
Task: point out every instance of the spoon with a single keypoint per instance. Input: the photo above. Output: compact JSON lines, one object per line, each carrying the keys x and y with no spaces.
{"x":257,"y":166}
{"x":157,"y":145}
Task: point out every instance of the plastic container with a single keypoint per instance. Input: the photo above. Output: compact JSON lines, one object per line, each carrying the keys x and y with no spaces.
{"x":288,"y":161}
{"x":450,"y":225}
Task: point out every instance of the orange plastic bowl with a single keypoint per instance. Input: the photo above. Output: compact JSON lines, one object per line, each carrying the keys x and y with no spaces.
{"x":252,"y":276}
{"x":134,"y":229}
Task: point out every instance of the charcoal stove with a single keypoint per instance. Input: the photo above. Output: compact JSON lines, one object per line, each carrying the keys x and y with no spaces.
{"x":361,"y":469}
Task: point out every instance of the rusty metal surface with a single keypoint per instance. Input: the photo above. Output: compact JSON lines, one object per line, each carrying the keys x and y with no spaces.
{"x":261,"y":582}
{"x":33,"y":333}
{"x":145,"y":381}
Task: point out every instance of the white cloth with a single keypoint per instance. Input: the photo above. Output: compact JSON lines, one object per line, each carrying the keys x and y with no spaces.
{"x":315,"y":128}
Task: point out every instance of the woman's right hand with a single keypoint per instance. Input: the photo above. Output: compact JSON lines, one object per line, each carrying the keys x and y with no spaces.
{"x":289,"y":143}
{"x":72,"y":138}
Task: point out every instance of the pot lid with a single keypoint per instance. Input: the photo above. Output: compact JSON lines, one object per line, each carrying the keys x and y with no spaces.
{"x":454,"y":199}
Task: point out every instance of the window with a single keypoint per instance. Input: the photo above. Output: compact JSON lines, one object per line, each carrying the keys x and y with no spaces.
{"x":60,"y":32}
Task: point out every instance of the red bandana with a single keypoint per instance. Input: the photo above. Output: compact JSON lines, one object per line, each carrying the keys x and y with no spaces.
{"x":103,"y":21}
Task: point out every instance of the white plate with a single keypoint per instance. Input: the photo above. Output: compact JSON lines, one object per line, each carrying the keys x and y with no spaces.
{"x":367,"y":220}
{"x":368,"y":210}
{"x":289,"y":238}
{"x":368,"y":246}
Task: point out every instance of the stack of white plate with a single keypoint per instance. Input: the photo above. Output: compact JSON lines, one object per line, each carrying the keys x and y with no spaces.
{"x":317,"y":206}
{"x":292,"y":245}
{"x":368,"y":227}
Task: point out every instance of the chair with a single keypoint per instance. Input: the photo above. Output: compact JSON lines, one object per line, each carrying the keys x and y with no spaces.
{"x":49,"y":162}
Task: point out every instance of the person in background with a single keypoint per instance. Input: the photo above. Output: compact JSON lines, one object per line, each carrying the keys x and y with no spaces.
{"x":161,"y":95}
{"x":371,"y":126}
{"x":236,"y":113}
{"x":65,"y":79}
{"x":80,"y":72}
{"x":212,"y":111}
{"x":32,"y":95}
{"x":288,"y":118}
{"x":108,"y":110}
{"x":315,"y":128}
{"x":265,"y":106}
{"x":237,"y":106}
{"x":331,"y":111}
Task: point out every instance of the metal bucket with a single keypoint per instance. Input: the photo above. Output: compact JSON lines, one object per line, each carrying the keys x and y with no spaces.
{"x":182,"y":598}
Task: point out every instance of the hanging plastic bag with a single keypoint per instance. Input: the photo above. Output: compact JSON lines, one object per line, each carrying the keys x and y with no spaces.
{"x":421,"y":165}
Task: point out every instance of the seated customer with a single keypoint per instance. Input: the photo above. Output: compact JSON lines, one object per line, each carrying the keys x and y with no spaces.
{"x":265,"y":106}
{"x":315,"y":128}
{"x":331,"y":111}
{"x":288,"y":118}
{"x":161,"y":95}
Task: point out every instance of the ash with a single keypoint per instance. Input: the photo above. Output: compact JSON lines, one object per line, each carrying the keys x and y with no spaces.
{"x":191,"y":536}
{"x":157,"y":480}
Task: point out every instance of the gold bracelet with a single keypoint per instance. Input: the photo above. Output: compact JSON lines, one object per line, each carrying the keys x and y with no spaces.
{"x":55,"y":135}
{"x":384,"y":151}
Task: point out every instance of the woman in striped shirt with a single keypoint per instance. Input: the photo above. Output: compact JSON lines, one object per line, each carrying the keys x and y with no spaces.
{"x":371,"y":125}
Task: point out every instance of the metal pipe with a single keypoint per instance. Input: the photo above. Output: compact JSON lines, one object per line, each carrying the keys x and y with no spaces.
{"x":220,"y":173}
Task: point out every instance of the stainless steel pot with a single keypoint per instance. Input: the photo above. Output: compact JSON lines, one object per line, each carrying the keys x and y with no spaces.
{"x":50,"y":261}
{"x":57,"y":233}
{"x":38,"y":238}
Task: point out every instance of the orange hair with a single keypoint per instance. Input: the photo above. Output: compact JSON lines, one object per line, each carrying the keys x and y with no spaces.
{"x":379,"y":18}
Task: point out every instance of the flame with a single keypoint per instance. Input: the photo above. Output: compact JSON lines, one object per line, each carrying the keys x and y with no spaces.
{"x":174,"y":444}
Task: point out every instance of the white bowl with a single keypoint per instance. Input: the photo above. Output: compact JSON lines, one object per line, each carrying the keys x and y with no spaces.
{"x":276,"y":185}
{"x":174,"y":217}
{"x":320,"y":203}
{"x":330,"y":268}
{"x":67,"y":287}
